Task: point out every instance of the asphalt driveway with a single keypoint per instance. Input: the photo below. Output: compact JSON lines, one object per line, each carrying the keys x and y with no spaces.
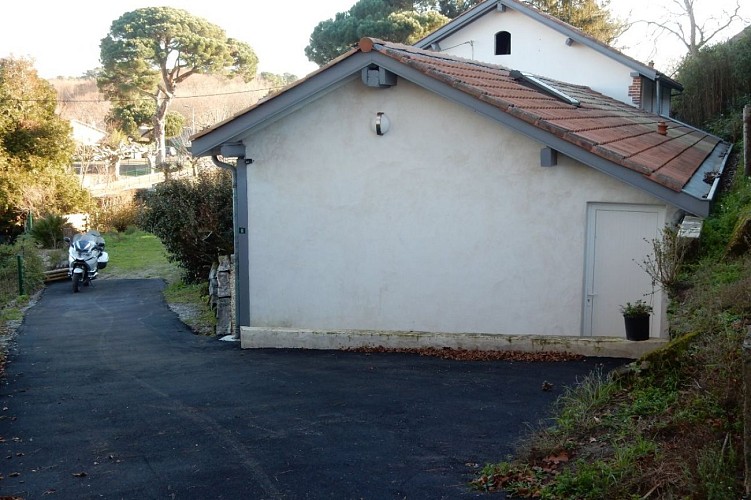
{"x":109,"y":395}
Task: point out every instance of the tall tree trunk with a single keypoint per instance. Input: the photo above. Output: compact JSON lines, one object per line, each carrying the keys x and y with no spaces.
{"x":160,"y":119}
{"x":159,"y":141}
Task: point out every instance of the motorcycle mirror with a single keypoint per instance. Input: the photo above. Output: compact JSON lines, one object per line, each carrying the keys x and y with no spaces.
{"x":66,"y":240}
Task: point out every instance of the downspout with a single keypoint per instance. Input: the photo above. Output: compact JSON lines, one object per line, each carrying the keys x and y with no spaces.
{"x":658,"y":91}
{"x":236,"y":238}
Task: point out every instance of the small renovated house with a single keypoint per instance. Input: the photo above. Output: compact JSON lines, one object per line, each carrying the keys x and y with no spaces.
{"x":516,"y":35}
{"x":399,"y":196}
{"x":86,"y":135}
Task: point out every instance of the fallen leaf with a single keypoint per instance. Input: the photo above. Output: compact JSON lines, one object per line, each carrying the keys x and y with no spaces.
{"x":79,"y":474}
{"x":557,"y":459}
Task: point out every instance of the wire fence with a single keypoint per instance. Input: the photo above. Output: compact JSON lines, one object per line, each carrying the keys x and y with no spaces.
{"x":31,"y":277}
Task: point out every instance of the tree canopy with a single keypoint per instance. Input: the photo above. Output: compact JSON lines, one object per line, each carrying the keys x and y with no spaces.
{"x":590,"y":16}
{"x":148,"y":52}
{"x":36,"y":148}
{"x":717,"y":85}
{"x":405,"y":21}
{"x":398,"y":21}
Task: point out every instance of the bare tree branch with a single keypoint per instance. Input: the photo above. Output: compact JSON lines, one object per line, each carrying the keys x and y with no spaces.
{"x":681,"y":19}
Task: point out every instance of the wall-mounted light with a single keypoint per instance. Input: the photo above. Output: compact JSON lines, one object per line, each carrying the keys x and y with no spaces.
{"x":381,"y":124}
{"x":569,"y":41}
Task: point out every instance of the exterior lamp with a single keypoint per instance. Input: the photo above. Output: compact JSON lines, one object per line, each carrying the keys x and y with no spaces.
{"x":381,"y":124}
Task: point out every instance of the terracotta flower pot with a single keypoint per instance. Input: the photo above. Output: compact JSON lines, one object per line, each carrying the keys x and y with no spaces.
{"x":637,"y":327}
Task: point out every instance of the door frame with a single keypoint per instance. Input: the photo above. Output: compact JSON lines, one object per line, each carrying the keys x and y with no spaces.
{"x":588,"y":305}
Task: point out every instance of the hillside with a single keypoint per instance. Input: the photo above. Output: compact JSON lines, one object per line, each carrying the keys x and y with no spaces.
{"x":203,"y":100}
{"x":671,"y":425}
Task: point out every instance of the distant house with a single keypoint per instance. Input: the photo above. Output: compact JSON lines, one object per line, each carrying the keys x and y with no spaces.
{"x":86,"y":135}
{"x":518,"y":36}
{"x":400,"y":196}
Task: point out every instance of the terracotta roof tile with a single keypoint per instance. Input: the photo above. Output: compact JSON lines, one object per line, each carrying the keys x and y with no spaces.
{"x":607,"y":127}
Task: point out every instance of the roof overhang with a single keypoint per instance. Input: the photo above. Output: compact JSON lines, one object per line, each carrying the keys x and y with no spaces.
{"x":348,"y":68}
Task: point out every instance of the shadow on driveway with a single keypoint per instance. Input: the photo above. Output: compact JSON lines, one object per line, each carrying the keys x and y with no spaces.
{"x":109,"y":395}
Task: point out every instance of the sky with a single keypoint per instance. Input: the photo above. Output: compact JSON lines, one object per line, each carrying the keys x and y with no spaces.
{"x":62,"y":38}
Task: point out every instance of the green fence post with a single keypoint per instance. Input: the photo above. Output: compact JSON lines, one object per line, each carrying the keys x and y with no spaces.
{"x":19,"y":259}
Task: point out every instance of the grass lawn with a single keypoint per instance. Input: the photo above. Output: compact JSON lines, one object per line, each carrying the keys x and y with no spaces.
{"x":137,"y":254}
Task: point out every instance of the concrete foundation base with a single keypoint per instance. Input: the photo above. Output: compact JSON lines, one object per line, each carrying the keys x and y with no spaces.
{"x":289,"y":338}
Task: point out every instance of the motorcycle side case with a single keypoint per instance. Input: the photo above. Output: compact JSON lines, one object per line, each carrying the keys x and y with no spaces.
{"x":101,"y":261}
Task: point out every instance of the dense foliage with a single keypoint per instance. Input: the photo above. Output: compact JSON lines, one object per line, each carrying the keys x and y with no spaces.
{"x":393,"y":20}
{"x":50,"y":230}
{"x":35,"y":150}
{"x":407,"y":22}
{"x":32,"y":265}
{"x":193,"y":219}
{"x":717,"y":84}
{"x":149,"y":52}
{"x":590,"y":16}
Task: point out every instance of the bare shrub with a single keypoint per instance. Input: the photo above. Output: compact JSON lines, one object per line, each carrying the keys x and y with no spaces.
{"x":666,"y":262}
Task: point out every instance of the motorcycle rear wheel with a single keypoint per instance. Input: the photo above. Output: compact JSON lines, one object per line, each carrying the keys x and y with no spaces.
{"x":76,"y":282}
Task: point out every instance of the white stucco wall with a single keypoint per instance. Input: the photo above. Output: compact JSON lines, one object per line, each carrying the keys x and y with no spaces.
{"x":448,"y":223}
{"x":538,"y":49}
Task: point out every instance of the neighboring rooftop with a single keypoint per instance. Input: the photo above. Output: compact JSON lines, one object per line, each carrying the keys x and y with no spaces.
{"x":564,"y":28}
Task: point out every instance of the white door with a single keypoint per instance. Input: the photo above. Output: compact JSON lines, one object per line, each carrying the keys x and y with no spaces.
{"x":619,"y":238}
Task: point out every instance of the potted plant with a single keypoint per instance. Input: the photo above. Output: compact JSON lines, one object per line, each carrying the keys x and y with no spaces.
{"x":636,"y":317}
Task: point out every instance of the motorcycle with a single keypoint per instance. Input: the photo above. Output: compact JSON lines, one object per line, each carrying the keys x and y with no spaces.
{"x":86,"y":256}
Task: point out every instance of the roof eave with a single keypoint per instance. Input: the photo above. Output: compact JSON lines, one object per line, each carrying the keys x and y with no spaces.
{"x":348,"y":68}
{"x":279,"y":105}
{"x":455,"y":24}
{"x":683,"y":200}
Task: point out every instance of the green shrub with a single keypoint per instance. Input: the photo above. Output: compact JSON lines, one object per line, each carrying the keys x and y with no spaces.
{"x":717,"y":84}
{"x":719,"y":227}
{"x":33,"y":269}
{"x":116,"y":213}
{"x":193,"y":219}
{"x":50,"y":230}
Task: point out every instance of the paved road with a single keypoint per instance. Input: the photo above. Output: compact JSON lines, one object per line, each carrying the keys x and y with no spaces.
{"x":109,"y":395}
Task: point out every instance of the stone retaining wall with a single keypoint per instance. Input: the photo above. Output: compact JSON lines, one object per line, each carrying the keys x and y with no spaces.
{"x":221,"y":295}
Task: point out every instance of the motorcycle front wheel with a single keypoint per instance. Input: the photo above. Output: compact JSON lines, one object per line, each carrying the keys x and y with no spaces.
{"x":76,"y":282}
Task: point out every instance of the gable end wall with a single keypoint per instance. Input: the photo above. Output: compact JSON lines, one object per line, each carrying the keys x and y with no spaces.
{"x":540,"y":50}
{"x":447,"y":223}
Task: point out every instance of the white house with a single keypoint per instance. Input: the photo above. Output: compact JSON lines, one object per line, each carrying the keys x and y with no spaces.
{"x":86,"y":134}
{"x":405,"y":197}
{"x":518,"y":36}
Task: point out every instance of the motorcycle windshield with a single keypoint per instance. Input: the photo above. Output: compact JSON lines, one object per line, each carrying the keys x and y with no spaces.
{"x":83,"y":245}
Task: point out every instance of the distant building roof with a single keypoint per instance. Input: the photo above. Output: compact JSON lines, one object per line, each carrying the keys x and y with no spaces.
{"x":565,"y":29}
{"x":86,"y":134}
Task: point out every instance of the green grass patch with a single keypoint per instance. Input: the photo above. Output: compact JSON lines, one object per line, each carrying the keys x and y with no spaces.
{"x":195,"y":295}
{"x":11,"y":314}
{"x":138,"y":254}
{"x":181,"y":293}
